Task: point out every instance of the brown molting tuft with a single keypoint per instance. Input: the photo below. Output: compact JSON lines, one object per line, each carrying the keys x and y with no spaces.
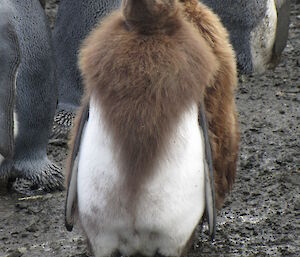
{"x":149,"y":15}
{"x":219,"y":97}
{"x":143,"y":83}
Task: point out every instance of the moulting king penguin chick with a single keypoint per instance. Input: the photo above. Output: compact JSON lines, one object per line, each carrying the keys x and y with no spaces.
{"x":140,"y":173}
{"x":28,"y":94}
{"x":219,"y":98}
{"x":258,"y":30}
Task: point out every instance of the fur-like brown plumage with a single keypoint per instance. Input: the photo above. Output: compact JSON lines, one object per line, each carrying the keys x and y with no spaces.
{"x":145,"y":73}
{"x":145,"y":66}
{"x":219,"y":97}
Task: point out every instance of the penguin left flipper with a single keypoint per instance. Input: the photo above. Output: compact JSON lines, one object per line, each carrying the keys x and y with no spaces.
{"x":209,"y":175}
{"x":28,"y":96}
{"x":72,"y":168}
{"x":283,"y":9}
{"x":9,"y":54}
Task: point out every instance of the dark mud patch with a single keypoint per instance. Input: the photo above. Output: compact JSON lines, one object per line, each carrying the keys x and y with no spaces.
{"x":261,"y":217}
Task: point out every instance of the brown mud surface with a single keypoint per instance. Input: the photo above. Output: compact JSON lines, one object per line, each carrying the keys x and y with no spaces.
{"x":261,"y":217}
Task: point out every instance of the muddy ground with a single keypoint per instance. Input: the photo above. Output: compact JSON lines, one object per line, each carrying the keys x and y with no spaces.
{"x":261,"y":217}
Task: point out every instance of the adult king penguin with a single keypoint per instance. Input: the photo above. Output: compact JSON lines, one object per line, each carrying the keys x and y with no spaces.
{"x":28,"y":94}
{"x":74,"y":21}
{"x":140,"y":172}
{"x":258,"y":30}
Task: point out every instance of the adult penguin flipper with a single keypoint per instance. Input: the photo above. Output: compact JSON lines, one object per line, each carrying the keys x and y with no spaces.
{"x":209,"y":175}
{"x":9,"y":62}
{"x":43,"y":3}
{"x":72,"y":169}
{"x":283,"y":8}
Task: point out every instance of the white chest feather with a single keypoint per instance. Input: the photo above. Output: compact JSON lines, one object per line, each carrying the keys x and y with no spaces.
{"x":263,"y":38}
{"x":170,"y":204}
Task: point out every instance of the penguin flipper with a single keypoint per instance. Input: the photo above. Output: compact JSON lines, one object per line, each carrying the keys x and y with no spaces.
{"x":283,"y":9}
{"x":9,"y":62}
{"x":209,"y":175}
{"x":72,"y":169}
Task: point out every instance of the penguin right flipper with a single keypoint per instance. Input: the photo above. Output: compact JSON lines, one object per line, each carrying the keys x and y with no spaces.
{"x":209,"y":175}
{"x":9,"y":62}
{"x":72,"y":169}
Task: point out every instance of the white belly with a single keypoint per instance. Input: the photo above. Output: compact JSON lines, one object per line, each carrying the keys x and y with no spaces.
{"x":171,"y":202}
{"x":263,"y":38}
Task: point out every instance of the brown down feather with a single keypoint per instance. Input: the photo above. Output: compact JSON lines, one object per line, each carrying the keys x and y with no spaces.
{"x":219,"y":97}
{"x":144,"y":75}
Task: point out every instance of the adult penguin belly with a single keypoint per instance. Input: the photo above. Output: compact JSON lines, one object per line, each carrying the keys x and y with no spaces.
{"x":262,"y":39}
{"x":269,"y":37}
{"x":32,"y":84}
{"x":74,"y":21}
{"x":258,"y":30}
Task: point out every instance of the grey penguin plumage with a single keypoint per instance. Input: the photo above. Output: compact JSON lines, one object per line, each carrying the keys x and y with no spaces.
{"x":74,"y":21}
{"x":9,"y":62}
{"x":43,"y":3}
{"x":149,"y":202}
{"x":27,"y":117}
{"x":283,"y":8}
{"x":258,"y":30}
